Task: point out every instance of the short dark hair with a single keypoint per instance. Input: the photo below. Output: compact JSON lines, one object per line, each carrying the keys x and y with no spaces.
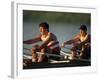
{"x":83,"y":27}
{"x":45,"y":25}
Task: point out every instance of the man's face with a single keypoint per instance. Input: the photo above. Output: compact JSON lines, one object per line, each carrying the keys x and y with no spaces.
{"x":42,"y":30}
{"x":82,"y":32}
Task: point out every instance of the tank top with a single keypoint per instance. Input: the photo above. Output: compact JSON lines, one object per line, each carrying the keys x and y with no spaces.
{"x":83,"y":38}
{"x":53,"y":45}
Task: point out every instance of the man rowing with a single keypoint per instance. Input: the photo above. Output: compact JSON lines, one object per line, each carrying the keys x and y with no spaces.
{"x":80,"y":42}
{"x":49,"y":44}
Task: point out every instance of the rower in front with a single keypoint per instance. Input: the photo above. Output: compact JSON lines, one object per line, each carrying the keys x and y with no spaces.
{"x":81,"y":43}
{"x":50,"y":44}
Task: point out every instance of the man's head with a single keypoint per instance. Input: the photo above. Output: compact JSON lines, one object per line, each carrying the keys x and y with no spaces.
{"x":83,"y":29}
{"x":43,"y":27}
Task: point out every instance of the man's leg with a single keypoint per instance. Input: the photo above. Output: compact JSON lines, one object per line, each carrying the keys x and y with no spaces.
{"x":86,"y":52}
{"x":74,"y":51}
{"x":74,"y":54}
{"x":34,"y":55}
{"x":42,"y":57}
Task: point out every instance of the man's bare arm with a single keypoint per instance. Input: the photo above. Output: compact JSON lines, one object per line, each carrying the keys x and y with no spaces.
{"x":31,"y":41}
{"x":75,"y":39}
{"x":71,"y":41}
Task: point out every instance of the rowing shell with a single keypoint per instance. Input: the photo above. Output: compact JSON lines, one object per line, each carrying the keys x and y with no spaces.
{"x":66,"y":57}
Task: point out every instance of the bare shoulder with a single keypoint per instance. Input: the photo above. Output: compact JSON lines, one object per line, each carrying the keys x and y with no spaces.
{"x":89,"y":35}
{"x":50,"y":34}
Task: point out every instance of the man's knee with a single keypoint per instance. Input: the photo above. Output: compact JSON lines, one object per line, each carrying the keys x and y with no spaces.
{"x":43,"y":50}
{"x":33,"y":50}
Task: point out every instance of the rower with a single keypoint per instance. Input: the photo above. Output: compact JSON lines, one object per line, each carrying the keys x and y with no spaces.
{"x":80,"y":42}
{"x":50,"y":44}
